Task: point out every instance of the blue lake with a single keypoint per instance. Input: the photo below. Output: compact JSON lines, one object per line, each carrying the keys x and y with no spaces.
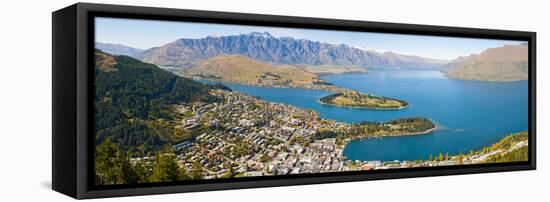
{"x":468,"y":114}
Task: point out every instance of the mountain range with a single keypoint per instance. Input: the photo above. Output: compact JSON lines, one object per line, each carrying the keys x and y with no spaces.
{"x":118,"y":49}
{"x":284,"y":50}
{"x":506,"y":63}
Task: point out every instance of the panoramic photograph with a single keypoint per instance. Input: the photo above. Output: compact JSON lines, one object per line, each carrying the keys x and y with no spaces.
{"x":184,"y":101}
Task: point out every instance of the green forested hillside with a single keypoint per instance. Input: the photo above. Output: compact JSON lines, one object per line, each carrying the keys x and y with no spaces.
{"x":130,"y":94}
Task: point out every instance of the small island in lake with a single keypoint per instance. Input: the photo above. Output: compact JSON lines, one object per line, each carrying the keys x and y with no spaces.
{"x":361,"y":100}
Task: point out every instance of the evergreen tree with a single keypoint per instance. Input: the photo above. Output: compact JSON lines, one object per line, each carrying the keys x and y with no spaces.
{"x":112,"y":166}
{"x":143,"y":171}
{"x":230,"y":172}
{"x":166,"y":167}
{"x":104,"y":154}
{"x":196,"y":172}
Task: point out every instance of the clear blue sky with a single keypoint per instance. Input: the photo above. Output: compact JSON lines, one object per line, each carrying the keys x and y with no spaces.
{"x":146,"y":34}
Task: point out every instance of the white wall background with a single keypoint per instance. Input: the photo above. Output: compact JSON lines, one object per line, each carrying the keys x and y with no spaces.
{"x":25,"y":101}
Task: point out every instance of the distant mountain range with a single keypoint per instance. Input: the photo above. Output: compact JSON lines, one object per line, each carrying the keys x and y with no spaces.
{"x":496,"y":64}
{"x":284,"y":50}
{"x":118,"y":49}
{"x":506,"y":63}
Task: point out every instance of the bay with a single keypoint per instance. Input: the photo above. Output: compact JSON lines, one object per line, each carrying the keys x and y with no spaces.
{"x":469,"y":114}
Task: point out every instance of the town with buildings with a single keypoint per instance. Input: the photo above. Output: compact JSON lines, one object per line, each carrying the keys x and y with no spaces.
{"x":258,"y":138}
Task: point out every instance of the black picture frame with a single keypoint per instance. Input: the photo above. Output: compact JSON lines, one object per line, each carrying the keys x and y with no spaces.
{"x":73,"y":112}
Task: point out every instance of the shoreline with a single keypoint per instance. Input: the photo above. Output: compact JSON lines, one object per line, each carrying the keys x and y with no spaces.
{"x":321,"y":74}
{"x":262,"y":85}
{"x":400,"y":134}
{"x":484,"y":80}
{"x":347,"y":141}
{"x":414,"y":134}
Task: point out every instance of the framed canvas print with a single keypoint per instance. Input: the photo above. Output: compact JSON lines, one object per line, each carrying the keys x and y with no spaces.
{"x":154,"y":100}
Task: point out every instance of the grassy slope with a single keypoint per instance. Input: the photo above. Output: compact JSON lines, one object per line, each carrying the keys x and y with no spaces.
{"x":240,"y":69}
{"x":507,"y":63}
{"x":513,"y":154}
